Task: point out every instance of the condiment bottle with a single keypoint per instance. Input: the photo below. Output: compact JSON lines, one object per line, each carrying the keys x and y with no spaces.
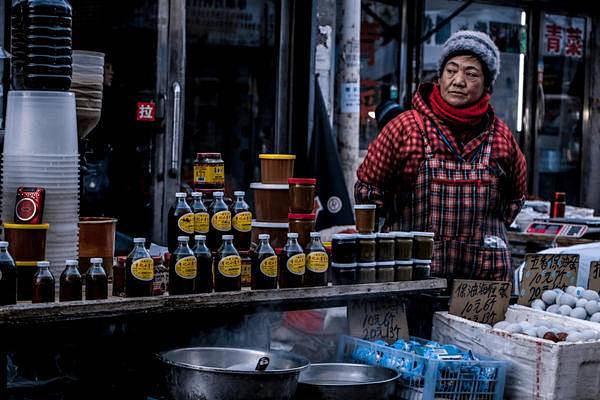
{"x":161,"y":277}
{"x":317,"y":262}
{"x":220,"y":221}
{"x":8,"y":277}
{"x":43,"y":284}
{"x":96,"y":282}
{"x":181,"y":220}
{"x":558,"y":205}
{"x":241,"y":222}
{"x":209,"y":171}
{"x":204,"y":260}
{"x":293,"y":263}
{"x":183,"y":268}
{"x":139,"y":271}
{"x":264,"y":265}
{"x":201,"y":218}
{"x":119,"y":276}
{"x":70,"y":286}
{"x":228,"y":267}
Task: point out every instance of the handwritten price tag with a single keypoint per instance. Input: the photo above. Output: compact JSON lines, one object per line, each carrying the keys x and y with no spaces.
{"x":378,"y":319}
{"x":546,"y":272}
{"x":485,"y":302}
{"x":594,"y":278}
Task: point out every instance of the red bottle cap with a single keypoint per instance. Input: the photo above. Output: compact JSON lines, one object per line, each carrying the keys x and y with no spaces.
{"x":307,"y":217}
{"x":560,"y":196}
{"x":302,"y":181}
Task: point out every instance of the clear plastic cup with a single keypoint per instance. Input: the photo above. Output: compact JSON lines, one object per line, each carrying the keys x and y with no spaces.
{"x":88,"y":57}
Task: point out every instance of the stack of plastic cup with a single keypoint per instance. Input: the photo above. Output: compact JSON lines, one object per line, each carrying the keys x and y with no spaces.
{"x":40,"y":149}
{"x":87,"y":83}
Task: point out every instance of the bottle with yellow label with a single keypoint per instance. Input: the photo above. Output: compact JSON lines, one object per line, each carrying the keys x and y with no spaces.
{"x":228,"y":267}
{"x":139,"y":271}
{"x":292,"y":263}
{"x":264,"y":265}
{"x":317,"y":262}
{"x":201,"y":218}
{"x":220,"y":221}
{"x":241,"y":222}
{"x":183,"y":269}
{"x":181,"y":221}
{"x":204,"y":279}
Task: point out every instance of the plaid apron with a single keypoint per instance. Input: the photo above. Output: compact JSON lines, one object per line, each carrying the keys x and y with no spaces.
{"x":458,"y":200}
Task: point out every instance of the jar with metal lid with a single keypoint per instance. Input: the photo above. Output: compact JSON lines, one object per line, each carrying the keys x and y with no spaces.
{"x":404,"y":245}
{"x":421,"y":269}
{"x":303,"y":225}
{"x":404,"y":270}
{"x":423,"y":245}
{"x":302,"y":194}
{"x":366,"y":248}
{"x":209,"y":171}
{"x":343,"y":248}
{"x":386,"y":247}
{"x":386,"y":271}
{"x":367,"y":272}
{"x":344,"y":274}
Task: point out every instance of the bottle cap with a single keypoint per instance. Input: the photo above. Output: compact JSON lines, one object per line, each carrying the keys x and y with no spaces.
{"x":96,"y":260}
{"x":180,"y":195}
{"x":264,"y":236}
{"x":199,"y":237}
{"x":218,"y":194}
{"x":71,"y":263}
{"x":415,"y":261}
{"x":183,"y":239}
{"x":3,"y":245}
{"x":369,"y":236}
{"x":292,"y":235}
{"x":315,"y":234}
{"x":302,"y":181}
{"x":365,"y":206}
{"x":139,"y":240}
{"x":227,"y":237}
{"x":239,"y":193}
{"x":43,"y":264}
{"x":306,"y":217}
{"x":196,"y":194}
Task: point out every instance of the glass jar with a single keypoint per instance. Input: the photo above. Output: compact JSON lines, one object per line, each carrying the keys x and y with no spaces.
{"x":344,"y":274}
{"x":386,"y":247}
{"x":386,"y":271}
{"x":404,"y":245}
{"x":423,"y":245}
{"x":302,"y":195}
{"x":365,"y":217}
{"x":303,"y":225}
{"x":421,"y":269}
{"x":209,"y":171}
{"x":404,"y":270}
{"x":343,"y":248}
{"x":366,"y":248}
{"x":367,"y":272}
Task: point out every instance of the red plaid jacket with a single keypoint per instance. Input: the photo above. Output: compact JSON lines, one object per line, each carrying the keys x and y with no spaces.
{"x":394,"y":157}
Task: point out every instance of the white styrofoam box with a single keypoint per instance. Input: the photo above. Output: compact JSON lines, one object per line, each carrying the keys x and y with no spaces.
{"x":538,"y":369}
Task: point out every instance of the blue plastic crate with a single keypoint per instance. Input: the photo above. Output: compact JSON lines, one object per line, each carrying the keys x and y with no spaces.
{"x":422,"y":378}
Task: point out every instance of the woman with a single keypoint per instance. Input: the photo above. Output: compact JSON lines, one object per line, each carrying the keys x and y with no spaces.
{"x":450,"y":166}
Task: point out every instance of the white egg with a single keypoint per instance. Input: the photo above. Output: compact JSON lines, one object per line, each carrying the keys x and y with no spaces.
{"x":595,"y":317}
{"x":514,"y":328}
{"x":591,"y":295}
{"x":574,"y":337}
{"x":578,"y":313}
{"x":579,"y":291}
{"x":566,"y":300}
{"x":525,"y":325}
{"x":592,"y":307}
{"x":530,"y":332}
{"x":565,"y":309}
{"x":571,"y":290}
{"x":538,"y":305}
{"x":553,"y":308}
{"x":549,"y":297}
{"x":502,"y":325}
{"x":581,"y":302}
{"x":558,"y":290}
{"x":589,"y":334}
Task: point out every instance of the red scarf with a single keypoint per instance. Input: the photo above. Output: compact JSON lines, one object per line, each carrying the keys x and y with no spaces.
{"x":463,"y":119}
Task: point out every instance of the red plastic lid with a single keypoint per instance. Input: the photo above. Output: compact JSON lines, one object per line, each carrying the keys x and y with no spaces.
{"x":167,"y":257}
{"x":278,"y":250}
{"x":302,"y":216}
{"x":302,"y":181}
{"x":121,"y":259}
{"x":157,"y":259}
{"x":208,"y":155}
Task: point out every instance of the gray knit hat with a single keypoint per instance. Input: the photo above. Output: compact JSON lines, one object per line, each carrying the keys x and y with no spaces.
{"x":478,"y":43}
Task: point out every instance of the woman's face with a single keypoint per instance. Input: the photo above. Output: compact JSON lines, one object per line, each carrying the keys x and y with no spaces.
{"x":462,"y":81}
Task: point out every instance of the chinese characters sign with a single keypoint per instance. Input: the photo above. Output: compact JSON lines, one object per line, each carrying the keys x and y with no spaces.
{"x":382,"y":319}
{"x":145,"y":111}
{"x":564,"y":36}
{"x":546,"y":272}
{"x":480,"y":301}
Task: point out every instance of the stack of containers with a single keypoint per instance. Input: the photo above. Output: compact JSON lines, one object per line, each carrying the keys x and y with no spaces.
{"x":87,"y":83}
{"x":40,"y":150}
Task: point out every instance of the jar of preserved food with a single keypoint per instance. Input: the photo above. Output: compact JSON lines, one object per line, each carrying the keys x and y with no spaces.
{"x":317,"y":262}
{"x":264,"y":265}
{"x":204,"y":260}
{"x":344,"y":274}
{"x":181,"y":221}
{"x":302,"y":195}
{"x":386,"y":271}
{"x":228,"y":267}
{"x":344,"y":248}
{"x":292,"y":263}
{"x":367,"y":248}
{"x":303,"y":225}
{"x":43,"y":284}
{"x":386,"y":247}
{"x":139,"y":271}
{"x":365,"y":217}
{"x":367,"y":272}
{"x":209,"y":171}
{"x":404,"y":270}
{"x":404,"y":245}
{"x":119,"y":276}
{"x":423,"y":245}
{"x":421,"y":269}
{"x":241,"y":223}
{"x":96,"y":282}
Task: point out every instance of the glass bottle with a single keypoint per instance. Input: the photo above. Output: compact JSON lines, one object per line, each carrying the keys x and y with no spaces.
{"x":204,"y":279}
{"x":43,"y":284}
{"x":70,"y":282}
{"x":220,"y":221}
{"x":317,"y":262}
{"x":241,"y":222}
{"x":228,"y":267}
{"x":161,"y":277}
{"x":119,"y":276}
{"x":139,"y":271}
{"x":181,"y":221}
{"x":264,"y":265}
{"x":201,"y":218}
{"x":8,"y":277}
{"x":183,"y":268}
{"x":96,"y":282}
{"x":292,"y":263}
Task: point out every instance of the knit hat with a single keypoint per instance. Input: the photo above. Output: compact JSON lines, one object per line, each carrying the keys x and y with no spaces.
{"x":472,"y":42}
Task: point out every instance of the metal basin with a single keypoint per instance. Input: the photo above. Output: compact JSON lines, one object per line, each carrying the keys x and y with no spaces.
{"x":346,"y":382}
{"x":215,"y":373}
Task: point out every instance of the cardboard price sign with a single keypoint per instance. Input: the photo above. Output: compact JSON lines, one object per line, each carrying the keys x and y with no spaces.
{"x":485,"y":302}
{"x":594,"y":277}
{"x":378,"y":319}
{"x":546,"y":272}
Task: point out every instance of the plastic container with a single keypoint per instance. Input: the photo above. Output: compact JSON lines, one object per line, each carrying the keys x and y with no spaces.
{"x":423,"y":245}
{"x":271,"y":202}
{"x":86,"y":57}
{"x":276,"y":168}
{"x":27,"y":241}
{"x":344,"y":249}
{"x":277,"y":230}
{"x":421,"y":269}
{"x":302,"y":195}
{"x":404,"y":246}
{"x":365,"y":217}
{"x":386,"y":271}
{"x":386,"y":246}
{"x":344,"y":274}
{"x":404,"y":270}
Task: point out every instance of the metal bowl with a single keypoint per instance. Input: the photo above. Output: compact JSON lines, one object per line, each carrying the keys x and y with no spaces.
{"x":346,"y":382}
{"x":215,"y":373}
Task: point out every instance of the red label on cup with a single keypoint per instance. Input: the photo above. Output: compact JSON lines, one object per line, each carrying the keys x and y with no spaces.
{"x":29,"y":205}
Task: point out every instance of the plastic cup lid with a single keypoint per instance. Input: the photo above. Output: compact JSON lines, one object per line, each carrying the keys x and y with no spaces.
{"x":139,"y":240}
{"x":365,"y":207}
{"x":386,"y":263}
{"x":183,"y":238}
{"x":421,"y":261}
{"x":180,"y":195}
{"x":269,"y":186}
{"x":96,"y":260}
{"x":367,"y":265}
{"x":199,"y":237}
{"x":367,"y":236}
{"x":277,"y":156}
{"x":423,"y":234}
{"x":384,"y":235}
{"x":404,"y":234}
{"x":239,"y":193}
{"x":292,"y":235}
{"x":264,"y":236}
{"x":315,"y":234}
{"x":302,"y":181}
{"x":338,"y":265}
{"x":305,"y":217}
{"x":72,"y":263}
{"x":227,"y":237}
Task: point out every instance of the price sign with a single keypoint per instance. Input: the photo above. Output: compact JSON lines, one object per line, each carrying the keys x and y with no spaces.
{"x":594,"y":277}
{"x":485,"y":302}
{"x":378,"y":319}
{"x":546,"y":272}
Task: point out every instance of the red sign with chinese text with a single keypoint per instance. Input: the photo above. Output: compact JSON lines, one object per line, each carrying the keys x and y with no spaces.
{"x":564,"y":36}
{"x":145,"y":111}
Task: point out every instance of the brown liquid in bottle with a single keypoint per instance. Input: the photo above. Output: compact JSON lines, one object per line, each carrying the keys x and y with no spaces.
{"x":317,"y":262}
{"x":43,"y":284}
{"x":292,"y":263}
{"x":139,"y":271}
{"x":96,"y":283}
{"x":220,"y":222}
{"x":70,"y":287}
{"x":8,"y":277}
{"x":119,"y":277}
{"x":181,"y":221}
{"x":201,"y":217}
{"x":204,"y":280}
{"x":228,"y":267}
{"x":241,"y":223}
{"x":183,"y":269}
{"x":264,"y":265}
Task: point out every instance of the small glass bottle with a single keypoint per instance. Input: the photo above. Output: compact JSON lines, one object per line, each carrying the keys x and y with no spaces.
{"x":43,"y":284}
{"x":8,"y":277}
{"x":161,"y":277}
{"x":181,"y":220}
{"x":119,"y":277}
{"x":317,"y":262}
{"x":96,"y":282}
{"x":292,"y":261}
{"x":139,"y":271}
{"x":264,"y":265}
{"x":204,"y":260}
{"x":228,"y":267}
{"x":220,"y":221}
{"x":70,"y":286}
{"x":241,"y":222}
{"x":183,"y":268}
{"x":201,"y":218}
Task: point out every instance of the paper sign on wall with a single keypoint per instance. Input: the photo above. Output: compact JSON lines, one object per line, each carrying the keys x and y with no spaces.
{"x":378,"y":319}
{"x":545,"y":272}
{"x":485,"y":302}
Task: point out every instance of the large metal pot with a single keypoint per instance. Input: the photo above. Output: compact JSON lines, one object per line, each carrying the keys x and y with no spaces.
{"x":346,"y":382}
{"x":218,"y":373}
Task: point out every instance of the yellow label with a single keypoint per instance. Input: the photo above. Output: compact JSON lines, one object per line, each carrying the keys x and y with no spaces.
{"x":242,"y":222}
{"x":268,"y":266}
{"x":317,"y":261}
{"x":296,"y":264}
{"x":187,"y":267}
{"x":246,"y":273}
{"x":143,"y":269}
{"x":221,"y":221}
{"x":186,"y":223}
{"x":230,"y":266}
{"x":209,"y":174}
{"x":201,"y":222}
